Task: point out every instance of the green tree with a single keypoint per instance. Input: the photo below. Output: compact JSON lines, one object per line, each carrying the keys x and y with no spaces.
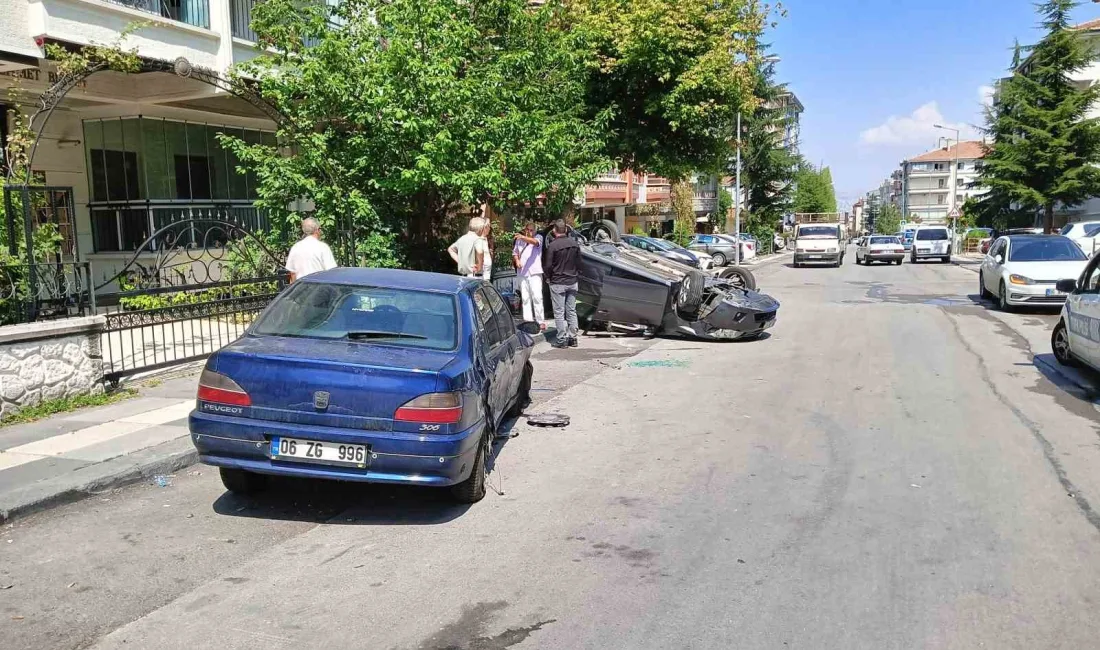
{"x":768,"y":167}
{"x":888,"y":219}
{"x":400,"y":113}
{"x":683,"y":209}
{"x":813,"y":190}
{"x":673,"y":75}
{"x":725,"y":204}
{"x":1045,"y":148}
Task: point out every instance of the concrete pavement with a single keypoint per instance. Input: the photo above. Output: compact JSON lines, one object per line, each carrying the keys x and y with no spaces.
{"x":891,"y":468}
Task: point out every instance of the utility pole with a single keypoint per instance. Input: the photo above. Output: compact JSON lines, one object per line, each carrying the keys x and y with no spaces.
{"x":737,"y":200}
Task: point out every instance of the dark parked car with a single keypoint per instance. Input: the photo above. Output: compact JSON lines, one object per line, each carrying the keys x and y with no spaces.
{"x":373,"y":375}
{"x":622,"y":284}
{"x":663,"y":248}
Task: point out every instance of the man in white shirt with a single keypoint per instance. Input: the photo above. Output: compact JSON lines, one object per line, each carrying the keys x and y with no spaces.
{"x":471,"y":250}
{"x":310,"y":254}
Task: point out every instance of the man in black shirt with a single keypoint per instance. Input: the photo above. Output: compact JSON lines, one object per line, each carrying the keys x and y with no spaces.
{"x":563,"y":257}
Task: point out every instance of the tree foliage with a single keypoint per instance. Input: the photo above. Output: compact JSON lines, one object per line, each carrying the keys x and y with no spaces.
{"x":888,"y":219}
{"x":813,"y":190}
{"x":1045,"y":147}
{"x":673,"y":76}
{"x":683,"y":210}
{"x":402,"y":112}
{"x":768,"y":167}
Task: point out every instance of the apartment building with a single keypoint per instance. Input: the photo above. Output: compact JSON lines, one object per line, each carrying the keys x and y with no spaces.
{"x":928,"y":181}
{"x":125,"y":155}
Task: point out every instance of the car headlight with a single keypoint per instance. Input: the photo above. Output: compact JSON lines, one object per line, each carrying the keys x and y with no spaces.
{"x":800,"y":250}
{"x":1019,"y":279}
{"x":832,"y":250}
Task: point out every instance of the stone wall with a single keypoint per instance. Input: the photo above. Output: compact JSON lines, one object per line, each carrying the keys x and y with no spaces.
{"x":49,"y":360}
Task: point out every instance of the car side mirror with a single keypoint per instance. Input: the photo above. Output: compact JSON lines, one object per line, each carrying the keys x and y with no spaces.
{"x":530,"y":327}
{"x":1066,"y":286}
{"x":1000,"y":259}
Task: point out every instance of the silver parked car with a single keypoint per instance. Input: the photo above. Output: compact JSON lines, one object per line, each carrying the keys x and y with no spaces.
{"x":719,"y":247}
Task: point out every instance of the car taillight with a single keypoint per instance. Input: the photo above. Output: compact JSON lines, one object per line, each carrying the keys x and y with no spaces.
{"x":215,"y":387}
{"x":433,"y":408}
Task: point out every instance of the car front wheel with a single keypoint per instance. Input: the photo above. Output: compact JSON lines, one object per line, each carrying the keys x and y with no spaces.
{"x":983,"y":293}
{"x":1059,"y":343}
{"x":1002,"y":298}
{"x":719,"y":259}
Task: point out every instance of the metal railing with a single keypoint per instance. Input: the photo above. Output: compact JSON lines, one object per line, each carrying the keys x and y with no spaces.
{"x":240,"y":16}
{"x":33,"y":292}
{"x":192,"y":12}
{"x":123,"y":226}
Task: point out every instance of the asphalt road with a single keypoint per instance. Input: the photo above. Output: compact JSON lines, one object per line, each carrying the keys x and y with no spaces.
{"x":896,"y":466}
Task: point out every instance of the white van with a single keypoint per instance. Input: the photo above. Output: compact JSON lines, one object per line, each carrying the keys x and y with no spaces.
{"x":818,"y":243}
{"x":931,"y":242}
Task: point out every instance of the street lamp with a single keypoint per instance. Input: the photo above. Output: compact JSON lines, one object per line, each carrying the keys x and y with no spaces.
{"x":954,"y":182}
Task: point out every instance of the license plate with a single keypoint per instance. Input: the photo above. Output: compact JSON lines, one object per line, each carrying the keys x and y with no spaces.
{"x":813,"y":257}
{"x":323,"y":453}
{"x":1054,"y":292}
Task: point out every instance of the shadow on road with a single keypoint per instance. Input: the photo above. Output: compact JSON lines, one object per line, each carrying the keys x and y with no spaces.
{"x":1079,"y":382}
{"x":353,"y":504}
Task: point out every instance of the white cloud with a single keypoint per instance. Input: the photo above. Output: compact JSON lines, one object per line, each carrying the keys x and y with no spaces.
{"x":917,"y":128}
{"x":985,"y":93}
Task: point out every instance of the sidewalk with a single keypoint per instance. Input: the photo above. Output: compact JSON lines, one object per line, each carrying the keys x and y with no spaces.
{"x":969,"y":262}
{"x":68,"y":455}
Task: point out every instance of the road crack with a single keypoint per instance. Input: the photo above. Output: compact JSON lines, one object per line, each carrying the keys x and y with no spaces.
{"x":1048,"y":449}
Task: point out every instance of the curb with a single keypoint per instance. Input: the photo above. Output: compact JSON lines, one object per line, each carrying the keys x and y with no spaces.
{"x":768,"y":261}
{"x":969,"y":266}
{"x":164,"y":458}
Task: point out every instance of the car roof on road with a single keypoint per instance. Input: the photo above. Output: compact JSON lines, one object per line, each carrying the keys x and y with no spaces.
{"x":393,"y":279}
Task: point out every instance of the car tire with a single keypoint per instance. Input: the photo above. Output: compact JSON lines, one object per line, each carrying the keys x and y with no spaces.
{"x":607,"y":228}
{"x":898,"y":262}
{"x":741,"y":277}
{"x":523,"y":394}
{"x":983,"y":293}
{"x":946,"y":260}
{"x":472,"y":489}
{"x":1059,"y":343}
{"x":239,"y":481}
{"x":690,"y":296}
{"x":1002,"y":298}
{"x":912,"y":259}
{"x":719,"y":259}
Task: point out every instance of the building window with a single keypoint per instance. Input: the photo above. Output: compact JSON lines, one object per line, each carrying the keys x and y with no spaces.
{"x":942,"y":183}
{"x":962,"y":166}
{"x":938,"y":167}
{"x":940,"y":199}
{"x":146,"y":174}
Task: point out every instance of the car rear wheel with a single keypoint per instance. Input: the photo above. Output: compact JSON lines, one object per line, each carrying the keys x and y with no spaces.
{"x":719,"y":259}
{"x":898,"y":262}
{"x":946,"y":260}
{"x":605,"y":230}
{"x":1059,"y":342}
{"x":690,"y":297}
{"x":472,"y":489}
{"x":239,"y":481}
{"x":739,"y":277}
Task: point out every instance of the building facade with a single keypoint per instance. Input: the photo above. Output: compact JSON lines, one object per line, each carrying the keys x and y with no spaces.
{"x":135,"y":152}
{"x":936,"y":181}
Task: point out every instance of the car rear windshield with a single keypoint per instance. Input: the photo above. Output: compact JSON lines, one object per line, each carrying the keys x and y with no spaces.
{"x":932,"y":234}
{"x":1055,"y":249}
{"x":400,"y":317}
{"x":885,"y":240}
{"x":819,"y":231}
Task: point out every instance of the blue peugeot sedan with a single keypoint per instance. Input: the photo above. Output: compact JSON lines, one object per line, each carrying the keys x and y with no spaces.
{"x":374,"y":375}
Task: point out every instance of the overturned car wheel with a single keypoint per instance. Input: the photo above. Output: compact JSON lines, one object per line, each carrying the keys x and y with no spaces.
{"x":739,"y":277}
{"x":690,"y":297}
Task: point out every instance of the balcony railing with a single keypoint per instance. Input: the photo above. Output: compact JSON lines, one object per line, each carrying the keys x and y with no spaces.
{"x":124,"y":226}
{"x":192,"y":12}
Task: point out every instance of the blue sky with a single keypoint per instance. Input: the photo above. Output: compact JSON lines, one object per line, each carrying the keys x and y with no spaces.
{"x":875,"y":74}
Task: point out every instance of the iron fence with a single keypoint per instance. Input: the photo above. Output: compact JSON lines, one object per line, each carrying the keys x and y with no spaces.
{"x":32,"y":292}
{"x":124,"y":226}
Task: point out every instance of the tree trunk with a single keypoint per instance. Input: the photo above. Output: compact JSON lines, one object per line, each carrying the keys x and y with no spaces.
{"x":1048,"y":218}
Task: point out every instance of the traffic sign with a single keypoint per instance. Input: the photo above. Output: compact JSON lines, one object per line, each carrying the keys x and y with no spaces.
{"x":954,"y":214}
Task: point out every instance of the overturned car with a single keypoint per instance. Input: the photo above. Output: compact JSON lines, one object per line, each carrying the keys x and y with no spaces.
{"x":622,"y":284}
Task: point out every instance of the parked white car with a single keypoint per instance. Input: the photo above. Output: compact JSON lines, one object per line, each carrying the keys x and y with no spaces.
{"x":1085,"y":233}
{"x":931,"y":242}
{"x":879,"y":248}
{"x":1076,"y":337}
{"x":1025,"y":269}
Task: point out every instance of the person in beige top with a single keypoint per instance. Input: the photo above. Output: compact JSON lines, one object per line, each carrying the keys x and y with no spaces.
{"x":471,"y":251}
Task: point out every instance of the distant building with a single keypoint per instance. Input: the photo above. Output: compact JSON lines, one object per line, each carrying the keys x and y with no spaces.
{"x":928,"y":181}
